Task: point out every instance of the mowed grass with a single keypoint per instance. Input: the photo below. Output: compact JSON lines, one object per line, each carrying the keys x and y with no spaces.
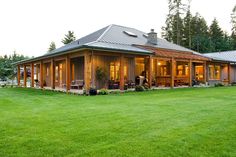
{"x":179,"y":122}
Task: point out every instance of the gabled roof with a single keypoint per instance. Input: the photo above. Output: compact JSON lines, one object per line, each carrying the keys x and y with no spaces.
{"x":115,"y":38}
{"x":229,"y":56}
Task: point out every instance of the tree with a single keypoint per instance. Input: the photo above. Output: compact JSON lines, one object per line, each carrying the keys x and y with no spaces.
{"x":52,"y":46}
{"x":233,"y":22}
{"x":69,"y":38}
{"x":187,"y":35}
{"x":216,"y":36}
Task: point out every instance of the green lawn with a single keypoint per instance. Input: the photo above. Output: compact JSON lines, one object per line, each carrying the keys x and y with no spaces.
{"x":180,"y":122}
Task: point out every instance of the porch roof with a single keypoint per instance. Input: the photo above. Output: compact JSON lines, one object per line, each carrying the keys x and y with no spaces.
{"x":229,"y":56}
{"x":175,"y":54}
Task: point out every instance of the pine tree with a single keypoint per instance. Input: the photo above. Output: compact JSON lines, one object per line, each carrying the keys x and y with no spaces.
{"x":187,"y":35}
{"x":69,"y":38}
{"x":52,"y":46}
{"x":233,"y":22}
{"x":216,"y":36}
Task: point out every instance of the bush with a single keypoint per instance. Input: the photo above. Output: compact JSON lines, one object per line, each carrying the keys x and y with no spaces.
{"x":219,"y":85}
{"x":146,"y":86}
{"x":103,"y":92}
{"x":92,"y":91}
{"x":139,"y":88}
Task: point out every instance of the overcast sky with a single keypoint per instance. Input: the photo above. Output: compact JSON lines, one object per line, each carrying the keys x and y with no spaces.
{"x":28,"y":26}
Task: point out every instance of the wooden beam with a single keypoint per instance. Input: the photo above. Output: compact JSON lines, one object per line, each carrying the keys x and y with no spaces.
{"x":190,"y":73}
{"x":150,"y":71}
{"x":122,"y":64}
{"x":205,"y":71}
{"x":32,"y":75}
{"x":229,"y":69}
{"x":37,"y":72}
{"x":172,"y":84}
{"x":68,"y":69}
{"x":87,"y":72}
{"x":52,"y":72}
{"x":25,"y":76}
{"x":93,"y":69}
{"x":41,"y":74}
{"x":18,"y":75}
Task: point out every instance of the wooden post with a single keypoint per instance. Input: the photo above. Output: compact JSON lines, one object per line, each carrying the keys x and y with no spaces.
{"x":18,"y":75}
{"x":52,"y":74}
{"x":122,"y":80}
{"x":150,"y":71}
{"x":229,"y":67}
{"x":37,"y":72}
{"x":190,"y":73}
{"x":25,"y":76}
{"x":93,"y":69}
{"x":68,"y":73}
{"x":172,"y":84}
{"x":41,"y":74}
{"x":32,"y":75}
{"x":205,"y":72}
{"x":87,"y":72}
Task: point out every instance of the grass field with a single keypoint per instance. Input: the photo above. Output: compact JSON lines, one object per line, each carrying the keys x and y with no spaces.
{"x":180,"y":122}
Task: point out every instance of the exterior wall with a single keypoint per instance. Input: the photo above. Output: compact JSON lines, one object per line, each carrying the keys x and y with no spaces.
{"x":78,"y":68}
{"x":233,"y":73}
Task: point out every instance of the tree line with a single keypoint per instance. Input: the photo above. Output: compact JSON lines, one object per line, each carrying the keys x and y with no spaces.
{"x":191,"y":31}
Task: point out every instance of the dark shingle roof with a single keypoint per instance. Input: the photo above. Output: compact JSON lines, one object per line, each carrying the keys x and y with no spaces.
{"x":113,"y":37}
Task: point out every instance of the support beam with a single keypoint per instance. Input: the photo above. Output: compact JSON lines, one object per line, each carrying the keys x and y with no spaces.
{"x":52,"y":71}
{"x":87,"y":72}
{"x":25,"y":76}
{"x":18,"y":75}
{"x":205,"y":71}
{"x":150,"y":71}
{"x":190,"y":73}
{"x":172,"y":84}
{"x":41,"y":74}
{"x":229,"y":69}
{"x":122,"y":64}
{"x":37,"y":72}
{"x":93,"y":69}
{"x":32,"y":75}
{"x":68,"y":69}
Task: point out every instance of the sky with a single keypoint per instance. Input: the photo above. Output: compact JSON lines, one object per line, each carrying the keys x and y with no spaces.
{"x":28,"y":26}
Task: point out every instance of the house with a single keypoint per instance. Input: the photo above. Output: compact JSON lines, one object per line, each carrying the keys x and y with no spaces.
{"x":125,"y":56}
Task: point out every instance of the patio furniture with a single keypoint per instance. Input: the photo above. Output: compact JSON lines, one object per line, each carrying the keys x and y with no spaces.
{"x":130,"y":84}
{"x":113,"y":85}
{"x":77,"y":84}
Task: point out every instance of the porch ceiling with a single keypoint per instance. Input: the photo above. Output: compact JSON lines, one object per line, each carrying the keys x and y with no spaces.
{"x":175,"y":54}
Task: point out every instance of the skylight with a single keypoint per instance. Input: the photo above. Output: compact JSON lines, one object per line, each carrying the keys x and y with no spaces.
{"x":130,"y":34}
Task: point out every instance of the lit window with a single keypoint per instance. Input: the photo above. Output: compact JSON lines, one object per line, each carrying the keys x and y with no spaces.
{"x":214,"y":72}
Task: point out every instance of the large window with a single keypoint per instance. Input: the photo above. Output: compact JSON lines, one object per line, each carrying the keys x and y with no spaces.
{"x":163,"y":68}
{"x":182,"y":69}
{"x":214,"y":72}
{"x":114,"y":71}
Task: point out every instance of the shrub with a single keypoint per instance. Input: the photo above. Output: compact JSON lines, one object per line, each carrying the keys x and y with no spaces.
{"x":92,"y":91}
{"x":139,"y":88}
{"x":146,"y":86}
{"x":103,"y":92}
{"x":219,"y":85}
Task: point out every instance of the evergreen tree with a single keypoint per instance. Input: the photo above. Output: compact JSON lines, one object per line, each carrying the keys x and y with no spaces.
{"x":52,"y":46}
{"x":233,"y":22}
{"x":69,"y":38}
{"x":187,"y":34}
{"x":216,"y":36}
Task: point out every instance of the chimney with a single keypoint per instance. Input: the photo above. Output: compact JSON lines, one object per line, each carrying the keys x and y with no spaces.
{"x":152,"y":37}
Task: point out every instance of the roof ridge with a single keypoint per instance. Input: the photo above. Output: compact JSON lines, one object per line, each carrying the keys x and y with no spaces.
{"x":101,"y":36}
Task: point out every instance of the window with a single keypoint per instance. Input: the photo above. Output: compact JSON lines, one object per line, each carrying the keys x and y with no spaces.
{"x":182,"y":69}
{"x":214,"y":72}
{"x":114,"y":71}
{"x":56,"y":74}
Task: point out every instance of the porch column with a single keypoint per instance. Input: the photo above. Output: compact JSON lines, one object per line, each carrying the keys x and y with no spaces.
{"x":190,"y":73}
{"x":87,"y":72}
{"x":229,"y":67}
{"x":25,"y":76}
{"x":37,"y":72}
{"x":52,"y":74}
{"x":205,"y":71}
{"x":32,"y":75}
{"x":122,"y":80}
{"x":68,"y":73}
{"x":18,"y":75}
{"x":150,"y":71}
{"x":93,"y":70}
{"x":172,"y":84}
{"x":41,"y":74}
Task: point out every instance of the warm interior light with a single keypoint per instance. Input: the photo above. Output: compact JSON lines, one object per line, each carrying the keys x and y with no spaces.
{"x":159,"y":63}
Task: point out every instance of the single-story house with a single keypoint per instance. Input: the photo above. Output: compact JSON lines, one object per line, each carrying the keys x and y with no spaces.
{"x":118,"y":57}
